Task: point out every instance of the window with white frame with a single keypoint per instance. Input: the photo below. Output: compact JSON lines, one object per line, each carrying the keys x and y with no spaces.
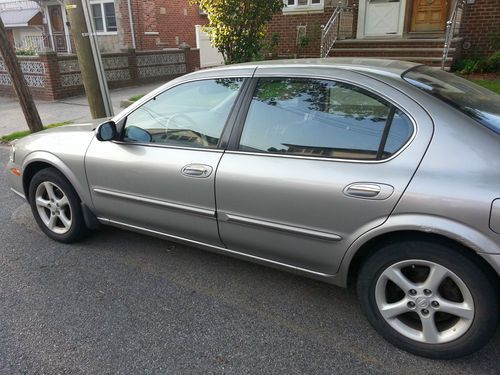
{"x":303,"y":5}
{"x":103,"y":14}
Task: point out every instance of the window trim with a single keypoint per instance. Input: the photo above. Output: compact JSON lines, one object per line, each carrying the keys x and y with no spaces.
{"x":303,"y":8}
{"x":105,"y":25}
{"x":226,"y":130}
{"x":238,"y":126}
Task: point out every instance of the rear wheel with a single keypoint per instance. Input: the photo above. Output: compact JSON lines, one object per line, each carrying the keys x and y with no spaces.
{"x":56,"y":206}
{"x":428,"y":299}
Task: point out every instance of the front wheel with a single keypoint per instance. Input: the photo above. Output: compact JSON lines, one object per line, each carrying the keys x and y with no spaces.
{"x":56,"y":206}
{"x":428,"y":299}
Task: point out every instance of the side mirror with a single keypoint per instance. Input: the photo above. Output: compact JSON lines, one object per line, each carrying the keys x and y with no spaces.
{"x":107,"y":131}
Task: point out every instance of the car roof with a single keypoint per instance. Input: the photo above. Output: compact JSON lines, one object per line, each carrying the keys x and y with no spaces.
{"x":394,"y":68}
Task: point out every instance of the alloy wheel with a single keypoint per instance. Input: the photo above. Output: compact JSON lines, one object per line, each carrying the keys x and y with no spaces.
{"x":53,"y":207}
{"x":424,"y":301}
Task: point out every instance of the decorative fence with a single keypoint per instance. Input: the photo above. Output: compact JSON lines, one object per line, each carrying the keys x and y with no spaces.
{"x":51,"y":76}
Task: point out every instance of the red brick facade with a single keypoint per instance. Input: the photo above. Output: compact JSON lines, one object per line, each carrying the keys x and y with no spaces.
{"x":481,"y":21}
{"x":160,"y":24}
{"x":287,"y":25}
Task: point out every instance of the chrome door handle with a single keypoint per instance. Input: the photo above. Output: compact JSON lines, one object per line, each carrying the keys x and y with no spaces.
{"x":197,"y":170}
{"x":369,"y":190}
{"x":363,"y":190}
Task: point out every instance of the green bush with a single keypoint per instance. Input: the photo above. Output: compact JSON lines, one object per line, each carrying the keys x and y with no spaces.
{"x":489,"y":64}
{"x":25,"y":52}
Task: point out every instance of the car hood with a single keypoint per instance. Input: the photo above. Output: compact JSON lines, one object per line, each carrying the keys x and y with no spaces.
{"x":82,"y":127}
{"x":67,"y":141}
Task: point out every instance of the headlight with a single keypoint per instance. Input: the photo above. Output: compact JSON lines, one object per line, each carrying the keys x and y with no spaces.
{"x":12,"y":154}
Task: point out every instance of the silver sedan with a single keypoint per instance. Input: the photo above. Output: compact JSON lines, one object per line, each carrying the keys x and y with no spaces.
{"x":379,"y":174}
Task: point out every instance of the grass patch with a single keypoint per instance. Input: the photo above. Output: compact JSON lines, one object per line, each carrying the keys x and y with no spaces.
{"x":136,"y":97}
{"x":16,"y":135}
{"x":493,"y":85}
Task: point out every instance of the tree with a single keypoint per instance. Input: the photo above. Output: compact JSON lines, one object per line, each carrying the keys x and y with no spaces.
{"x":237,"y":27}
{"x":18,"y":82}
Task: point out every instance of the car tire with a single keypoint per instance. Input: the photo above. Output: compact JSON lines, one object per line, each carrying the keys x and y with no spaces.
{"x":56,"y":206}
{"x":443,"y":319}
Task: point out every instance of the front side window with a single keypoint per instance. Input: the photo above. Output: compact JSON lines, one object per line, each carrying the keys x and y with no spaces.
{"x":320,"y":118}
{"x":103,"y":14}
{"x":192,"y":114}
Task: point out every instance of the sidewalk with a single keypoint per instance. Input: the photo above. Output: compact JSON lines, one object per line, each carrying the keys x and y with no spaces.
{"x":74,"y":109}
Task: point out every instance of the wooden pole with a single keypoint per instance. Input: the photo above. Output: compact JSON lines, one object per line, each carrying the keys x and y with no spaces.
{"x":18,"y":82}
{"x":90,"y":79}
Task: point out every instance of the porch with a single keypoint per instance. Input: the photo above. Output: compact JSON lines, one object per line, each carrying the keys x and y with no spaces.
{"x":415,"y":30}
{"x":424,"y":31}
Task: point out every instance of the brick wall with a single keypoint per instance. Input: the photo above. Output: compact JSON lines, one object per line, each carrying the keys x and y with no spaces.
{"x":286,"y":26}
{"x":51,"y":76}
{"x":159,"y":24}
{"x":479,"y":20}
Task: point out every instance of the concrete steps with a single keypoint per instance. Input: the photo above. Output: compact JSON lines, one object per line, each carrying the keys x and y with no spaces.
{"x":425,"y":51}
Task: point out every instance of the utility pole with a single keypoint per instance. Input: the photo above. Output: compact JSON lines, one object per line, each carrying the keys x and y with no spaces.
{"x":87,"y":52}
{"x":18,"y":82}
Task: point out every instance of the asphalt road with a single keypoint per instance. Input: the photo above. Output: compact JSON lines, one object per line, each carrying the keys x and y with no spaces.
{"x":120,"y":302}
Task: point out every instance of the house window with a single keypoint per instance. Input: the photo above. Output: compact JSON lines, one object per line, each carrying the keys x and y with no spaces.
{"x":302,"y":5}
{"x":103,"y":14}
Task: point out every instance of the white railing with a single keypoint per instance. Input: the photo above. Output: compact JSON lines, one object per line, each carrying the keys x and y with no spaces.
{"x":452,"y":28}
{"x":35,"y":43}
{"x":339,"y":26}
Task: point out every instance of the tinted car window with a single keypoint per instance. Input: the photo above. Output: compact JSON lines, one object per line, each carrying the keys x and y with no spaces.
{"x":192,"y":114}
{"x":476,"y":102}
{"x":311,"y":117}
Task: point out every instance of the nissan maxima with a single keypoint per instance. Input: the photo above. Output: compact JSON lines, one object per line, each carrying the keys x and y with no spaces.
{"x":376,"y":174}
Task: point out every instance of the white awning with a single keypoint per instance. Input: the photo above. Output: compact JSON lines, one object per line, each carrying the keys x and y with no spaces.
{"x":19,"y":17}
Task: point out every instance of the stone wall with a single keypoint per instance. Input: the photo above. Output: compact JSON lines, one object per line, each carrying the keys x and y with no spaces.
{"x":51,"y":76}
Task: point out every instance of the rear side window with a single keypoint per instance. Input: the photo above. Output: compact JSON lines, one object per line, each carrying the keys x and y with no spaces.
{"x":312,"y":117}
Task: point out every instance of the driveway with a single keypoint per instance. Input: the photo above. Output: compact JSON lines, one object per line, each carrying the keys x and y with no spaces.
{"x":74,"y":109}
{"x":120,"y":302}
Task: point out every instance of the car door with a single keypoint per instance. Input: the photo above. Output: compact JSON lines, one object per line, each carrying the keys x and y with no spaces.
{"x":160,"y":175}
{"x":315,"y":162}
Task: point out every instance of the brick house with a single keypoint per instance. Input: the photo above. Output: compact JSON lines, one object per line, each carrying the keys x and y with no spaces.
{"x":135,"y":44}
{"x":400,"y":29}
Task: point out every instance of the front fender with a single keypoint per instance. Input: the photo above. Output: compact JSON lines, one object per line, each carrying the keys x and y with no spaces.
{"x":75,"y":174}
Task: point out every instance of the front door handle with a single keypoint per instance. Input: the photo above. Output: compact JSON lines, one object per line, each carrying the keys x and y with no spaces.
{"x":369,"y":190}
{"x":197,"y":170}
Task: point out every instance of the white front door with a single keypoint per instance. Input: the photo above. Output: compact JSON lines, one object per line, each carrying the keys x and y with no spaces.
{"x":381,"y":18}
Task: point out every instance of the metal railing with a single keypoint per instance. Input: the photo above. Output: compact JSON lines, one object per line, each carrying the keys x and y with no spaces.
{"x":339,"y":26}
{"x":452,"y":29}
{"x":35,"y":43}
{"x":61,"y":43}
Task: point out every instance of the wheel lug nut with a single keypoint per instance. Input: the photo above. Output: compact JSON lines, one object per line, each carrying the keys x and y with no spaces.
{"x":427,"y":292}
{"x":412,"y":292}
{"x":411,"y":305}
{"x":435,"y":304}
{"x":425,"y":311}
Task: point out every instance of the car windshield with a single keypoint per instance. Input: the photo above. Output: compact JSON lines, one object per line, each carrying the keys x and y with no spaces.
{"x":476,"y":102}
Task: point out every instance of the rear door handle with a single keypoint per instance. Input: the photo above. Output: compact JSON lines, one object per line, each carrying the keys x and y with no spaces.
{"x":197,"y":170}
{"x":369,"y":190}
